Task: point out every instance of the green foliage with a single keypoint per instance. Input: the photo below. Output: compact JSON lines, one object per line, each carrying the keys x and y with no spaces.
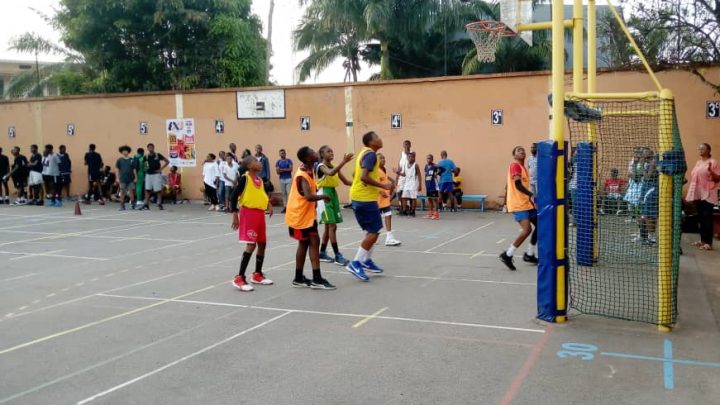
{"x":147,"y":45}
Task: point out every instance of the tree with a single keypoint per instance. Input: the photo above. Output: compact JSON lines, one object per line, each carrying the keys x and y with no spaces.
{"x":146,"y":45}
{"x":671,"y":33}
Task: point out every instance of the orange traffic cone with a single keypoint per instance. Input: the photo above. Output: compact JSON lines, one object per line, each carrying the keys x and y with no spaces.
{"x":77,"y":206}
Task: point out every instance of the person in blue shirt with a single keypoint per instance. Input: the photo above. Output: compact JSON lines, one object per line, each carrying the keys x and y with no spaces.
{"x":284,"y":168}
{"x":446,"y":178}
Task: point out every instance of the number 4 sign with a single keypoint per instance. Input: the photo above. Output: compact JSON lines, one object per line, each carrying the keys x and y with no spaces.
{"x":713,"y":109}
{"x":395,"y":121}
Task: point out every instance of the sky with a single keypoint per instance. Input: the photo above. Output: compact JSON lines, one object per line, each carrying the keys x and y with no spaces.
{"x":16,"y":18}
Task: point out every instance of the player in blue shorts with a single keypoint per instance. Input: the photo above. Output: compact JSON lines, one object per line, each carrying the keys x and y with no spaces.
{"x":432,"y":189}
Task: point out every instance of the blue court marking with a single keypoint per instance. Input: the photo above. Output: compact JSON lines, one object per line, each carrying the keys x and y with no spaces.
{"x":676,"y":361}
{"x":668,"y":374}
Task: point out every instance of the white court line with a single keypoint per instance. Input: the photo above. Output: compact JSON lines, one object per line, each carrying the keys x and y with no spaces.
{"x":500,"y":241}
{"x":52,"y":253}
{"x":431,"y":279}
{"x":480,"y":253}
{"x":27,"y":255}
{"x":467,"y":280}
{"x":369,"y":317}
{"x":425,"y":252}
{"x":180,"y":360}
{"x":460,"y":237}
{"x":338,"y":314}
{"x":20,"y":277}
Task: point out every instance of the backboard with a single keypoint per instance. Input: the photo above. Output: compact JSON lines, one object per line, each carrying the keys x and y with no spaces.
{"x":261,"y":104}
{"x":514,"y":12}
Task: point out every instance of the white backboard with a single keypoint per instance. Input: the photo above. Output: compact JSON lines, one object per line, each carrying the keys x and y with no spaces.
{"x":261,"y":104}
{"x":514,"y":12}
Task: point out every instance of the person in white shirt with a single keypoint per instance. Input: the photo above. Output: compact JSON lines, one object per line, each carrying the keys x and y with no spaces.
{"x":211,"y":178}
{"x":400,"y":179}
{"x":229,"y":174}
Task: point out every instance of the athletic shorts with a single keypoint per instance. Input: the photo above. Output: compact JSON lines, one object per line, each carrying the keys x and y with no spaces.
{"x":95,"y":176}
{"x":329,"y":211}
{"x":386,"y":212}
{"x":368,"y":216}
{"x":48,"y":179}
{"x":252,"y":226}
{"x":523,"y":215}
{"x":303,"y":235}
{"x":19,"y":182}
{"x":433,"y":194}
{"x":35,"y":178}
{"x":65,"y":178}
{"x":410,"y":194}
{"x":153,"y":182}
{"x":127,"y":186}
{"x":446,"y":187}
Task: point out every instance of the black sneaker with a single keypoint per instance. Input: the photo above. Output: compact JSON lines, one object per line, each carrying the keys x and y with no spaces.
{"x":304,"y":283}
{"x":507,"y":261}
{"x":145,"y":207}
{"x":530,"y":258}
{"x":160,"y":207}
{"x":321,"y":284}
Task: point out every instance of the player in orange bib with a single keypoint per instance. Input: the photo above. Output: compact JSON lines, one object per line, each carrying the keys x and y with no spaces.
{"x":301,"y":219}
{"x":520,"y":203}
{"x":253,"y":203}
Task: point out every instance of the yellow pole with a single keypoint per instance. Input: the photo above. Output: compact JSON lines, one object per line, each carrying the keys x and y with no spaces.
{"x":664,"y":225}
{"x":634,"y":45}
{"x":577,"y":45}
{"x":541,"y":26}
{"x":591,"y":47}
{"x":558,"y":135}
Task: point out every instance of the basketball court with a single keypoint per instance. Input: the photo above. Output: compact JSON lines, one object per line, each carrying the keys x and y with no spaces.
{"x":137,"y":307}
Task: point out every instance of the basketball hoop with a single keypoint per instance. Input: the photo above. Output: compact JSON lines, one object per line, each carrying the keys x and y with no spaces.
{"x":487,"y":35}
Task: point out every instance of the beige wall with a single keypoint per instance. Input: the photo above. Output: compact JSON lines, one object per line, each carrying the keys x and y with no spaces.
{"x":448,"y":113}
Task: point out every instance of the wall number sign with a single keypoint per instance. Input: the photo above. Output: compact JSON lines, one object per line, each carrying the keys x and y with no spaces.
{"x":496,"y":117}
{"x":395,"y":121}
{"x":11,"y":132}
{"x":144,"y":128}
{"x":712,"y":111}
{"x":304,"y":123}
{"x":71,"y":129}
{"x":219,"y":126}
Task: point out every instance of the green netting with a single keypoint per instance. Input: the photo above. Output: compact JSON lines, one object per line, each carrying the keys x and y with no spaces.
{"x":624,"y":237}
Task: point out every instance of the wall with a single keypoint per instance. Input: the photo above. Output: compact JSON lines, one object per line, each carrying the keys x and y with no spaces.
{"x":444,"y":113}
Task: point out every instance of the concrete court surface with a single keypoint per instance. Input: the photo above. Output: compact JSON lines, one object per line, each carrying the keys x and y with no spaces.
{"x":137,"y":308}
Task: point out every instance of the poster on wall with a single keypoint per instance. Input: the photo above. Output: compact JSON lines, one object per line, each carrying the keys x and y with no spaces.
{"x":181,"y":142}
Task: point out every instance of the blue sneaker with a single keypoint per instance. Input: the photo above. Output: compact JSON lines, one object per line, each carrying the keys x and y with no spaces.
{"x":58,"y":203}
{"x":356,"y":268}
{"x":370,"y":266}
{"x":340,"y":260}
{"x":324,"y":257}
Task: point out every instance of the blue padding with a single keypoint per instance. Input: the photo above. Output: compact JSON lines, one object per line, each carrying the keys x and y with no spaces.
{"x":583,"y":207}
{"x":547,"y":230}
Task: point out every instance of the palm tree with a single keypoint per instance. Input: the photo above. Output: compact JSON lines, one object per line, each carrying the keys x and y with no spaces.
{"x":35,"y":44}
{"x":334,"y":28}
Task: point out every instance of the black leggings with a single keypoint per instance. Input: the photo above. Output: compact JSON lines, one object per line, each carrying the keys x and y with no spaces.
{"x":211,"y":194}
{"x":705,"y":214}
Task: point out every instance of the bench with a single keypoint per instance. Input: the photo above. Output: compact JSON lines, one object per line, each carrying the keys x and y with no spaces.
{"x":467,"y":197}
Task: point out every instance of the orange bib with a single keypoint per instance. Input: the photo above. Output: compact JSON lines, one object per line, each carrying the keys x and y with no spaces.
{"x":300,"y":213}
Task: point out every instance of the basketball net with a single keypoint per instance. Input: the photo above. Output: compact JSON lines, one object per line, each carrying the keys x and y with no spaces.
{"x":486,"y":36}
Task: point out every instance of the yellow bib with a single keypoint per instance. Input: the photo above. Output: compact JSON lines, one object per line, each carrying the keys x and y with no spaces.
{"x":360,"y":191}
{"x":253,"y":196}
{"x":328,"y":181}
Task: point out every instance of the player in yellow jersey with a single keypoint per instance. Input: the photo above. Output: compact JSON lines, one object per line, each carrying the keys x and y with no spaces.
{"x":328,"y":179}
{"x":253,"y":203}
{"x":364,"y":193}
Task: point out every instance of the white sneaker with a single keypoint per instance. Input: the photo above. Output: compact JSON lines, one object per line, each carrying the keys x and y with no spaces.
{"x":636,"y":238}
{"x":392,"y":242}
{"x":217,"y":208}
{"x":212,"y":208}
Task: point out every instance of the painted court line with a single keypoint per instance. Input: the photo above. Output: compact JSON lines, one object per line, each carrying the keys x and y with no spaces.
{"x":460,"y":237}
{"x":369,"y":317}
{"x":339,"y":314}
{"x":27,"y":255}
{"x":662,"y":359}
{"x":525,"y":369}
{"x":180,"y":360}
{"x":439,"y":278}
{"x":99,"y":322}
{"x":19,"y":277}
{"x":431,"y":279}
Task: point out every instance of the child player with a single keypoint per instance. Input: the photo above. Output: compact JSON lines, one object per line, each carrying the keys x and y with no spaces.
{"x":249,"y":195}
{"x":412,"y":184}
{"x":384,"y":204}
{"x":520,"y":203}
{"x":300,"y":216}
{"x":431,"y":186}
{"x":364,"y":193}
{"x":328,"y":179}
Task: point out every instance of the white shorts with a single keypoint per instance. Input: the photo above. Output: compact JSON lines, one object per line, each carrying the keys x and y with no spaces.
{"x":386,"y":212}
{"x":153,"y":182}
{"x":35,"y":178}
{"x":401,"y":184}
{"x":411,"y":194}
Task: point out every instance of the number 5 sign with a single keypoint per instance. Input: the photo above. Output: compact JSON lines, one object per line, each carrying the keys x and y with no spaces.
{"x":712,"y":110}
